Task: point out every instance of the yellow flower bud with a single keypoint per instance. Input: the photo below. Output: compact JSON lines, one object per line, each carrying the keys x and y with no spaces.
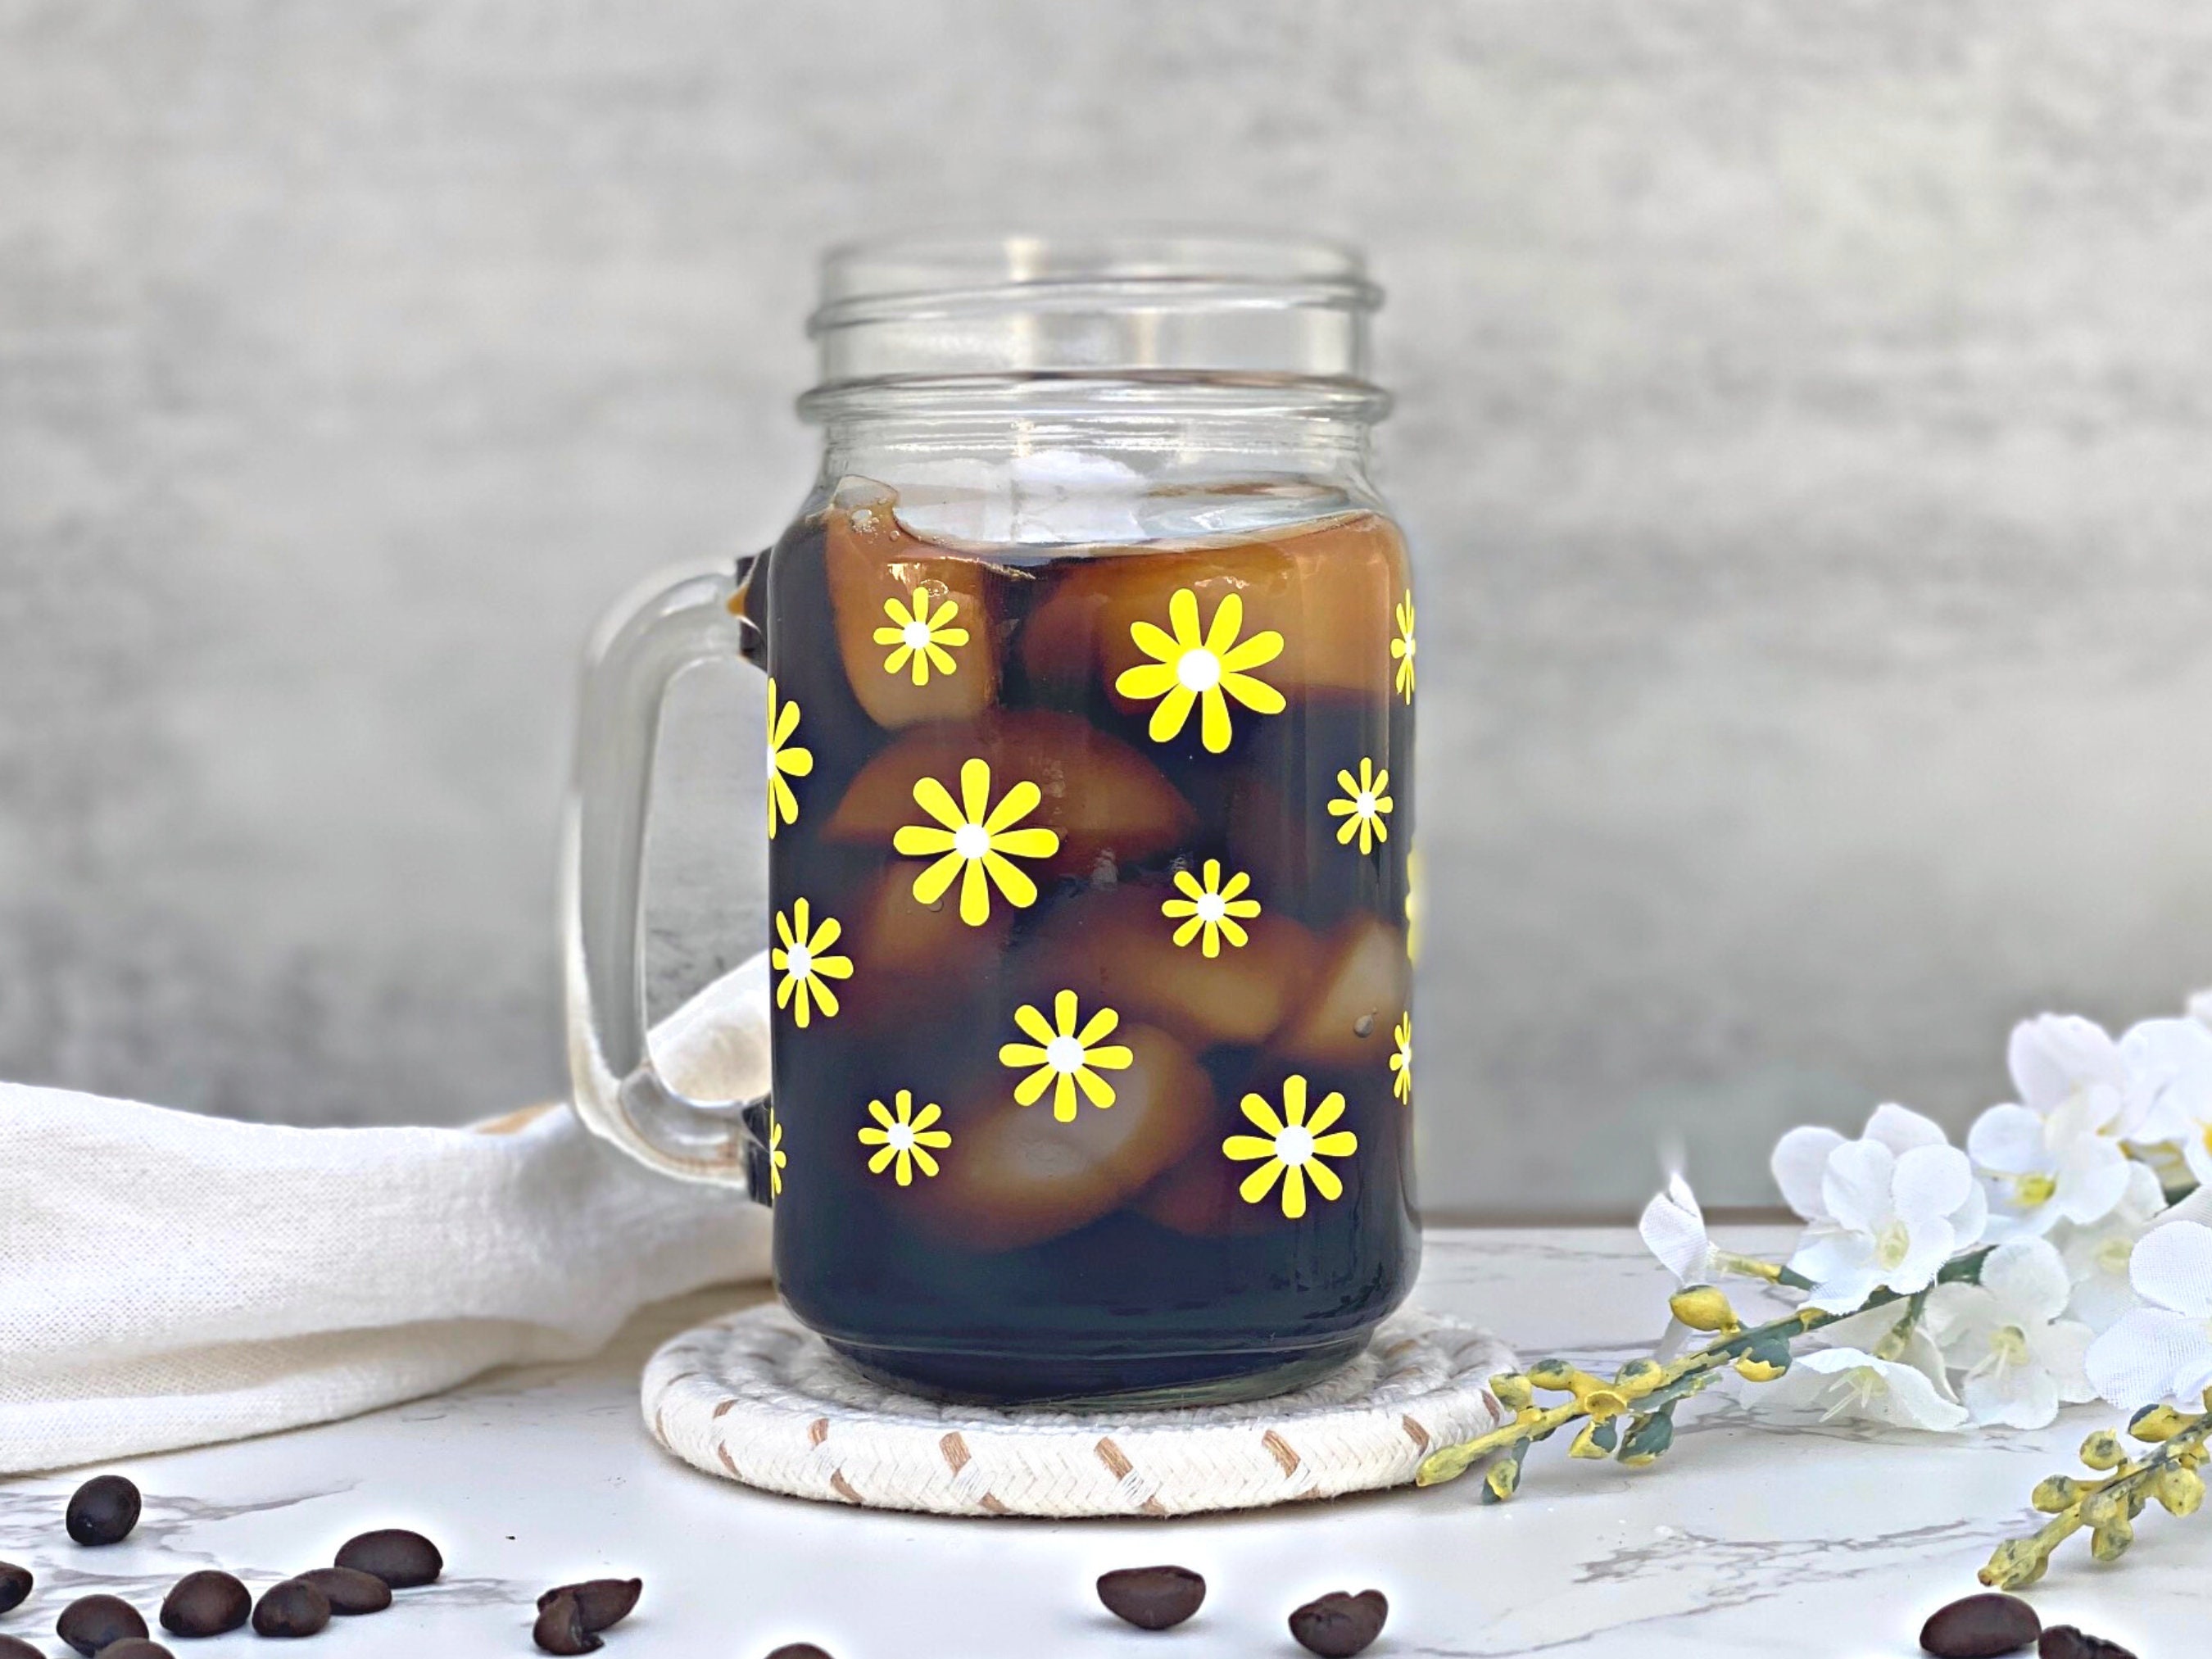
{"x":1504,"y":1478}
{"x":1704,"y":1307}
{"x":1555,"y":1374}
{"x":1587,"y":1443}
{"x":1602,"y":1403}
{"x":2180,"y":1489}
{"x":2156,"y":1424}
{"x":2102,"y":1451}
{"x":2060,"y":1493}
{"x":2110,"y":1541}
{"x":2016,"y":1564}
{"x":1753,"y":1369}
{"x":1512,"y":1389}
{"x":1638,"y":1377}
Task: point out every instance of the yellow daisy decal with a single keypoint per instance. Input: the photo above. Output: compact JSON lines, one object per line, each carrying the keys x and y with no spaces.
{"x":1293,"y":1147}
{"x":1363,"y":807}
{"x":974,"y":840}
{"x":806,"y":963}
{"x":1212,"y":909}
{"x":786,"y":759}
{"x":1401,"y":1063}
{"x":1189,"y":667}
{"x":1065,"y":1057}
{"x":920,"y":637}
{"x":776,"y":1159}
{"x":1402,"y":648}
{"x":905,"y":1138}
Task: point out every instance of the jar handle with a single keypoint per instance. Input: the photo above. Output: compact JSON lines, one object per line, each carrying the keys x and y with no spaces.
{"x":619,"y":1091}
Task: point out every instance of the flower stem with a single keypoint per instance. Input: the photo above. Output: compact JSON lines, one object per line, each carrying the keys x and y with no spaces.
{"x":1650,"y":1390}
{"x":2168,"y":1473}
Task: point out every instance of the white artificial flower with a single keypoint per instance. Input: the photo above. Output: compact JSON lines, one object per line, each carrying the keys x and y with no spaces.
{"x":2020,"y":1359}
{"x":2162,"y":1351}
{"x":1874,"y":1331}
{"x":2055,"y":1058}
{"x":1852,"y":1383}
{"x":1672,"y":1227}
{"x":1887,"y":1210}
{"x":2097,"y":1256}
{"x":2169,"y":1066}
{"x":2200,"y":1008}
{"x":2039,"y":1169}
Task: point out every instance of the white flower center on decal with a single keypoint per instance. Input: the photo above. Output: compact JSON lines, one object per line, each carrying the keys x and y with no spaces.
{"x":1364,"y":803}
{"x":1294,"y":1145}
{"x":899,"y":1136}
{"x":1199,"y":670}
{"x":914,"y":635}
{"x":971,"y":841}
{"x":1210,"y":907}
{"x":1892,"y":1244}
{"x":799,"y":962}
{"x":1064,"y":1054}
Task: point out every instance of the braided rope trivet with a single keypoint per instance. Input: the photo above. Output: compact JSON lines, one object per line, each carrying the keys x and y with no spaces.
{"x":755,"y":1397}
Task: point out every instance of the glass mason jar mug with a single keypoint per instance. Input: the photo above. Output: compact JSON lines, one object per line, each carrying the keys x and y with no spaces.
{"x":1090,"y":682}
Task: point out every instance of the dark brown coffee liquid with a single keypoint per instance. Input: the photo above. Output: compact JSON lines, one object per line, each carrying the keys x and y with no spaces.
{"x":1127,"y":704}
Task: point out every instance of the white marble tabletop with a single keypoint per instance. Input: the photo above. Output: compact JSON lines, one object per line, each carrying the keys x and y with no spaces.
{"x":1745,"y":1539}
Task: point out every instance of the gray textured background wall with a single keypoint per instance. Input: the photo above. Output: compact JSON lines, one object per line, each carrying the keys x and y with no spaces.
{"x":1805,"y":419}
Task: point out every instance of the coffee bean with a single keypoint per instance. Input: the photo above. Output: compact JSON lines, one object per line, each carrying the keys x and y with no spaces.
{"x":102,"y":1510}
{"x":560,"y":1626}
{"x":15,"y":1585}
{"x":91,"y":1622}
{"x":206,"y":1603}
{"x":402,"y":1559}
{"x":2065,"y":1642}
{"x":1152,"y":1598}
{"x":1338,"y":1626}
{"x":291,"y":1608}
{"x":349,"y":1592}
{"x":136,"y":1647}
{"x":1980,"y":1627}
{"x":799,"y":1650}
{"x":14,"y":1647}
{"x":601,"y":1603}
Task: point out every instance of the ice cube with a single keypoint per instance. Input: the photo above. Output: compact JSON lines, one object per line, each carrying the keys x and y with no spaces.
{"x":1108,"y":804}
{"x":1197,"y":1194}
{"x":916,"y":959}
{"x":1327,"y":589}
{"x":1117,"y":949}
{"x":914,"y":619}
{"x":1016,"y":1176}
{"x":1355,"y":1000}
{"x":1045,"y":497}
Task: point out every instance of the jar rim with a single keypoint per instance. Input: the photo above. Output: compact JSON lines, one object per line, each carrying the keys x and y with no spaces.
{"x":916,"y":272}
{"x":939,"y":304}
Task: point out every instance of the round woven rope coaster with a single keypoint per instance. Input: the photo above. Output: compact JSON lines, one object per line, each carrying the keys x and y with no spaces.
{"x":757,"y":1398}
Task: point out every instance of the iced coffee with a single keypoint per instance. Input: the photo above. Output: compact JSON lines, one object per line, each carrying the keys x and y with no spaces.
{"x":1092,"y":1041}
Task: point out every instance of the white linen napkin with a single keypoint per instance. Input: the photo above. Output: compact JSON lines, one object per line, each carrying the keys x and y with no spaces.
{"x":169,"y":1280}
